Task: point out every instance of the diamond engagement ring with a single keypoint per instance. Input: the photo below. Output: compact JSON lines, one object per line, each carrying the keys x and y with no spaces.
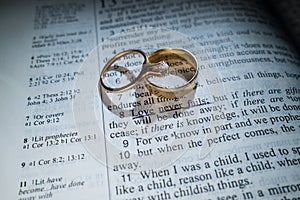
{"x":161,"y":63}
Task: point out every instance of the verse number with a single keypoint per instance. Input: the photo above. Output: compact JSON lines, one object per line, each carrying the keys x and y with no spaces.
{"x":124,"y":155}
{"x":125,"y":143}
{"x":120,"y":96}
{"x":121,"y":114}
{"x":109,"y":4}
{"x":126,"y":177}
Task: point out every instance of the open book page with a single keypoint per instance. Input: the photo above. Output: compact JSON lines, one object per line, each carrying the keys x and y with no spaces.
{"x":236,"y":136}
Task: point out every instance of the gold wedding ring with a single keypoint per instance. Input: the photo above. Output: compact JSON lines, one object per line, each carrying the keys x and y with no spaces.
{"x":168,"y":61}
{"x":181,"y":63}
